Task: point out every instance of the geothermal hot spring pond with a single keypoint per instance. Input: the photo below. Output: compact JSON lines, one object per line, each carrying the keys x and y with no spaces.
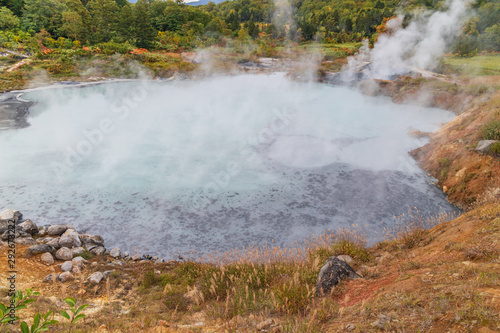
{"x":167,"y":167}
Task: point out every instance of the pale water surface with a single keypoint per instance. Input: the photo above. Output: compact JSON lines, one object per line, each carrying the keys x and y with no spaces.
{"x":166,"y":167}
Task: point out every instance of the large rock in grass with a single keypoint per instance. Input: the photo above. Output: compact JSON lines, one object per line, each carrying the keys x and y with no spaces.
{"x":332,"y":272}
{"x":484,"y":146}
{"x":65,"y":277}
{"x":96,"y":277}
{"x":70,"y":239}
{"x":9,"y":215}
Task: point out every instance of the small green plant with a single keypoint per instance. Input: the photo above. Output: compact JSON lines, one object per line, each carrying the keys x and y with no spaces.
{"x":76,"y":315}
{"x":19,"y":301}
{"x":492,"y":130}
{"x":87,"y":255}
{"x":38,"y":325}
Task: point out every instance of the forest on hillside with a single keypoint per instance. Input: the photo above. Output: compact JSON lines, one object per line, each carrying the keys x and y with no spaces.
{"x":119,"y":26}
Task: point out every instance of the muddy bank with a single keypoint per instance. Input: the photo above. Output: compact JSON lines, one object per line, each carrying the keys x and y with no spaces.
{"x":13,"y":111}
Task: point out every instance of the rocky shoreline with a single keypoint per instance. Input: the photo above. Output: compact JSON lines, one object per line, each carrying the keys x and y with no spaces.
{"x":70,"y":251}
{"x":62,"y":243}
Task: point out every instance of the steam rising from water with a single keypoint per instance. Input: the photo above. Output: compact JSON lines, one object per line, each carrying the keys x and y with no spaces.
{"x":419,"y":45}
{"x":216,"y":163}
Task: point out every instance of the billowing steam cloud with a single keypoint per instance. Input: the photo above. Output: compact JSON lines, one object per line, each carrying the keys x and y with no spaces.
{"x":419,"y":45}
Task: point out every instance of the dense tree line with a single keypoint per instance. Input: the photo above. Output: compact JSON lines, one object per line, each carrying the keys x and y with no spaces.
{"x":173,"y":24}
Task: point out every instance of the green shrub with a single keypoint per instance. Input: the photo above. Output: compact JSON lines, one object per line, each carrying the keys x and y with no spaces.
{"x":495,"y":148}
{"x":465,"y":46}
{"x":112,"y":48}
{"x":492,"y":130}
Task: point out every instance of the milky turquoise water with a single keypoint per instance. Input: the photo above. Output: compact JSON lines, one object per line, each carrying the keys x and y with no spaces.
{"x":165,"y":167}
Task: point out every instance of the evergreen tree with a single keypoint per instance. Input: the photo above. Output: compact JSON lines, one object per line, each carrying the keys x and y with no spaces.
{"x":126,"y":24}
{"x":16,"y":6}
{"x":144,"y":31}
{"x":104,"y":20}
{"x":43,"y":14}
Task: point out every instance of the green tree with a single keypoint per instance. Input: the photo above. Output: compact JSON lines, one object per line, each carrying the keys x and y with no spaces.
{"x":491,"y":38}
{"x":72,"y":25}
{"x":16,"y":6}
{"x":79,"y":24}
{"x":126,"y":23}
{"x":43,"y":14}
{"x":379,"y":5}
{"x":121,"y":3}
{"x":253,"y":30}
{"x":104,"y":22}
{"x":144,"y":31}
{"x":8,"y":20}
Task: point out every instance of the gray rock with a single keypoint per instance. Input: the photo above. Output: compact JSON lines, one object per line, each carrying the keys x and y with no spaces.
{"x":47,"y":258}
{"x":332,"y":272}
{"x":28,"y":226}
{"x":77,"y":251}
{"x":52,"y":277}
{"x":70,"y":239}
{"x":136,"y":257}
{"x":66,"y":277}
{"x":67,"y":266}
{"x":64,"y":254}
{"x":40,"y":248}
{"x":26,"y":241}
{"x":346,"y":258}
{"x":42,"y":231}
{"x":115,"y":252}
{"x":92,"y":239}
{"x":9,"y":215}
{"x":54,"y":242}
{"x":382,"y":322}
{"x":57,"y":229}
{"x":79,"y":261}
{"x":90,"y":246}
{"x":106,"y":273}
{"x":350,"y":327}
{"x":98,"y":251}
{"x":96,"y":277}
{"x":18,"y":234}
{"x":125,"y":254}
{"x":484,"y":146}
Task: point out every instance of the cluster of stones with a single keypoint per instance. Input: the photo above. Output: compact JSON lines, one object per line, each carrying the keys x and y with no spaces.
{"x":64,"y":243}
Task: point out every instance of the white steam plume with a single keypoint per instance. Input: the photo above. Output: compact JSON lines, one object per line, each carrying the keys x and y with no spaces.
{"x":419,"y":45}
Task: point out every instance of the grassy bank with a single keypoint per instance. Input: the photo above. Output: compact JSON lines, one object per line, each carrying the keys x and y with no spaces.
{"x":474,"y":66}
{"x":432,"y":280}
